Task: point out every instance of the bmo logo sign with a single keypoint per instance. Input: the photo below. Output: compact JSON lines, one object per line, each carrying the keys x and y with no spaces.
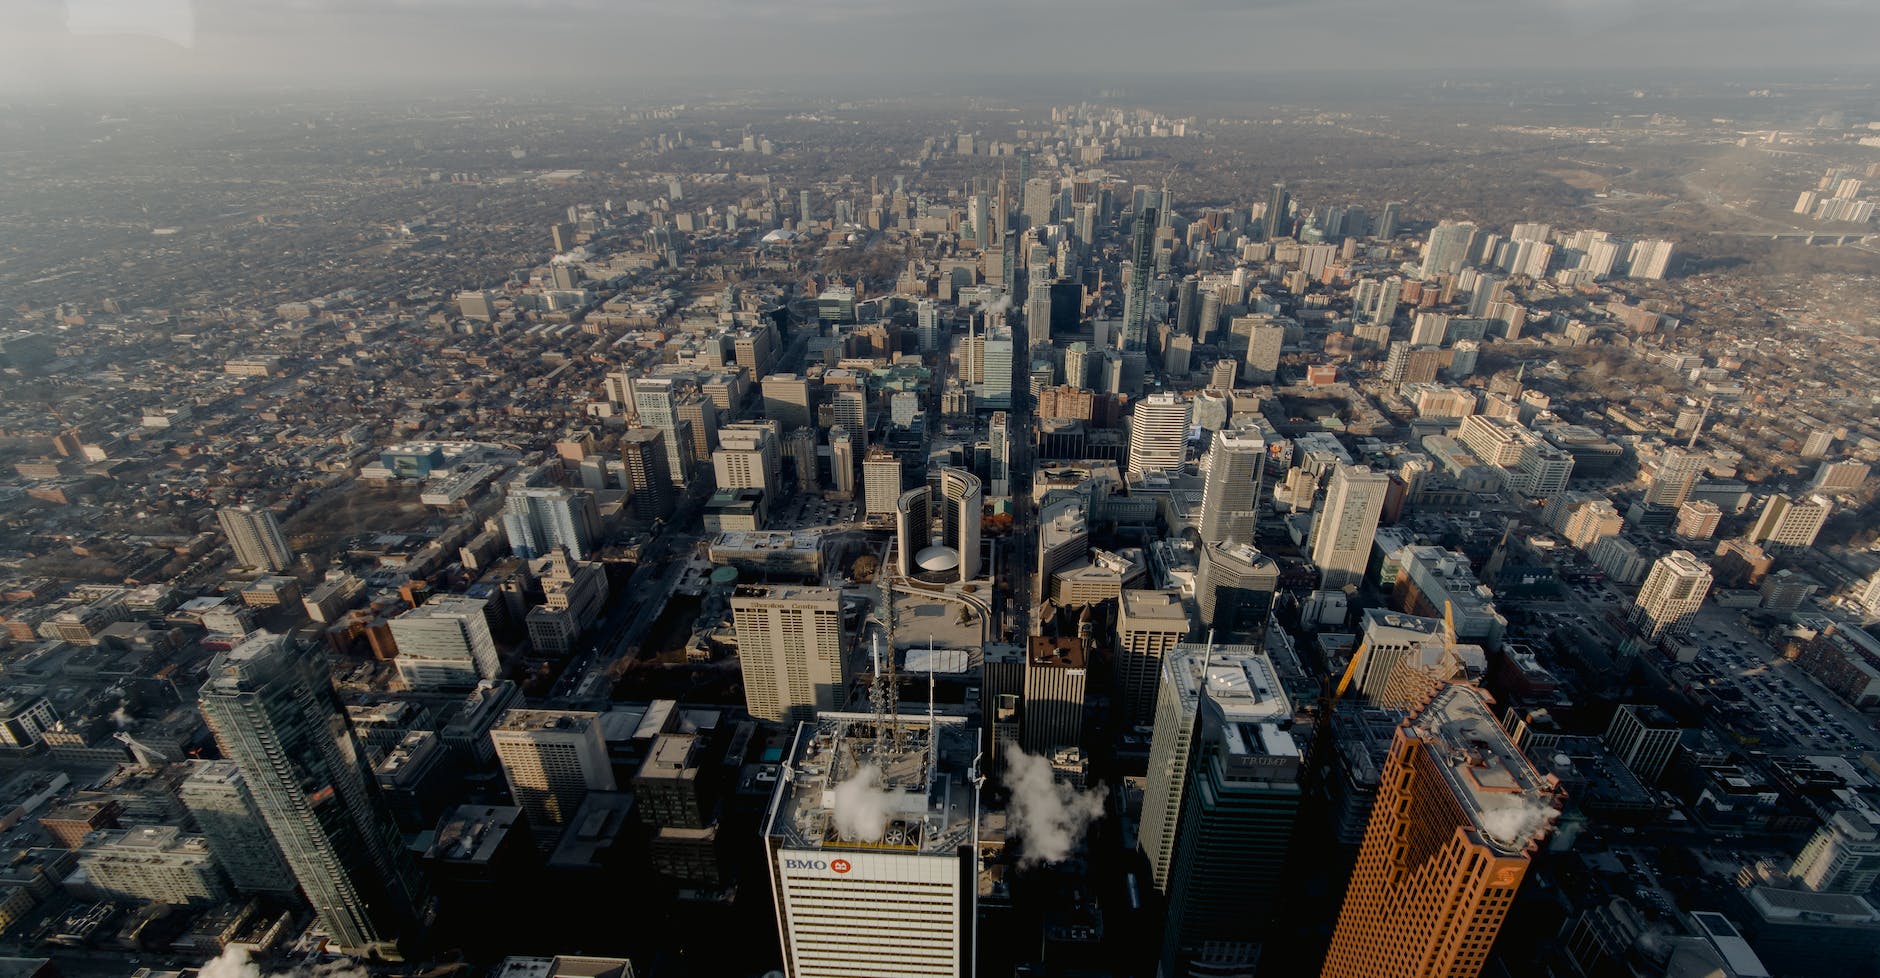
{"x":838,"y":866}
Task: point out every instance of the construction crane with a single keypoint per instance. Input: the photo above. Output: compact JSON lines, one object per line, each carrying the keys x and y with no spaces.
{"x":1351,"y":668}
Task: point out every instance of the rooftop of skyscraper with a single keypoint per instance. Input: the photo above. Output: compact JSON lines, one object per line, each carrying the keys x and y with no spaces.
{"x":858,"y":782}
{"x":570,"y":720}
{"x":1507,"y":802}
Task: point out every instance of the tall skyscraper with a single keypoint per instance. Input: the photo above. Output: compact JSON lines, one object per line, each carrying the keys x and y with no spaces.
{"x":1447,"y":248}
{"x":960,"y":514}
{"x":649,"y":481}
{"x":1234,"y":590}
{"x":1149,"y":625}
{"x":1038,"y":202}
{"x":788,"y":400}
{"x":842,"y":462}
{"x":851,"y":410}
{"x":656,"y":400}
{"x":224,"y":809}
{"x":1230,"y":491}
{"x":1671,"y":595}
{"x":1676,"y":472}
{"x":445,"y":645}
{"x":1057,"y":671}
{"x":800,"y":445}
{"x":1237,"y":813}
{"x":1278,"y":212}
{"x":1188,"y":305}
{"x":793,"y":647}
{"x":881,"y":482}
{"x":1791,"y":524}
{"x":1232,"y":671}
{"x":1843,"y":856}
{"x":1265,"y":339}
{"x":1141,"y":279}
{"x":275,"y":714}
{"x":1158,"y":434}
{"x":1643,"y":738}
{"x":255,"y":537}
{"x":551,"y":759}
{"x":870,"y":839}
{"x":537,"y":519}
{"x":1459,"y":811}
{"x":1387,"y":221}
{"x":1343,"y":529}
{"x":999,"y":465}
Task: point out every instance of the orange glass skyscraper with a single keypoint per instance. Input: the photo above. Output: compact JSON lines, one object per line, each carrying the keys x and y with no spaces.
{"x":1459,"y":811}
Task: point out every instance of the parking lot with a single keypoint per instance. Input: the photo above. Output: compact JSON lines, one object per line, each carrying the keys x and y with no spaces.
{"x":808,"y":512}
{"x":1803,"y":713}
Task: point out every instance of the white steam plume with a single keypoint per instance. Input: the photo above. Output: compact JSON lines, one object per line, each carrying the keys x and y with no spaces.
{"x":861,"y":807}
{"x":233,"y":962}
{"x":1518,"y":823}
{"x":1051,"y":817}
{"x":1003,"y":304}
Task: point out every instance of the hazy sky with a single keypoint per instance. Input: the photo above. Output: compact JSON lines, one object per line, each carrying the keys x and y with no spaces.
{"x":130,"y":45}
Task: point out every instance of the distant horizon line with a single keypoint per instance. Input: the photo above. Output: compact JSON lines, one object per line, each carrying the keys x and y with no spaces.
{"x":918,"y":83}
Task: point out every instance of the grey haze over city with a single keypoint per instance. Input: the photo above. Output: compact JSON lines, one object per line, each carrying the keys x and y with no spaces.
{"x":113,"y":46}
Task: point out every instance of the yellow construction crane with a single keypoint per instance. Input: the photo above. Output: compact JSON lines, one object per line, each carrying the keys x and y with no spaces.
{"x":1351,"y":668}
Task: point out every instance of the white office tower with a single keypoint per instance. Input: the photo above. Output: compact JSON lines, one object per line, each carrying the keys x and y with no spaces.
{"x":1672,"y":593}
{"x":995,"y":386}
{"x":913,"y":529}
{"x":1237,"y":677}
{"x":1343,"y":530}
{"x":842,"y":462}
{"x":551,"y":759}
{"x":1158,"y":434}
{"x":1149,"y":625}
{"x":1384,"y":310}
{"x":999,"y":436}
{"x":1077,"y":360}
{"x":927,"y":325}
{"x":1677,"y":471}
{"x":255,"y":537}
{"x":1265,"y":340}
{"x":793,"y":650}
{"x":962,"y":507}
{"x":851,"y":409}
{"x":872,"y":841}
{"x":655,"y":401}
{"x":1429,"y":329}
{"x":881,"y":482}
{"x":1787,"y":523}
{"x":1843,"y":856}
{"x":748,"y":457}
{"x":1230,"y":491}
{"x":537,"y":519}
{"x":444,"y":645}
{"x":1650,"y":259}
{"x":1447,"y":248}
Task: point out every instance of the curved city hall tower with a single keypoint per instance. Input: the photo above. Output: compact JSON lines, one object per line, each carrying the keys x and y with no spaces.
{"x":965,"y":501}
{"x":1459,"y":810}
